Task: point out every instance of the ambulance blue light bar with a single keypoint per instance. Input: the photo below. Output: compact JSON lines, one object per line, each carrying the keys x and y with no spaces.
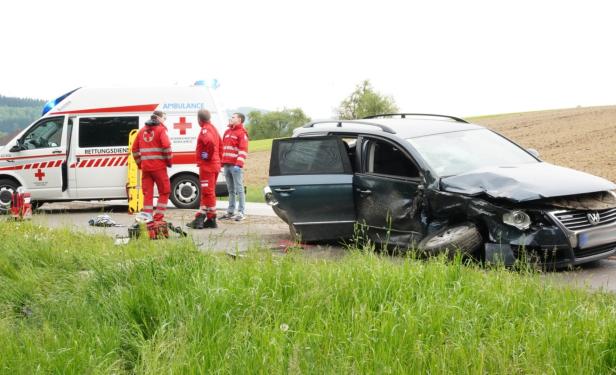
{"x":52,"y":103}
{"x":213,"y":84}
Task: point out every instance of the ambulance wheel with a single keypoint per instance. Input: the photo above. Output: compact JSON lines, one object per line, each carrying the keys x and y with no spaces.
{"x":185,"y":191}
{"x":7,"y":188}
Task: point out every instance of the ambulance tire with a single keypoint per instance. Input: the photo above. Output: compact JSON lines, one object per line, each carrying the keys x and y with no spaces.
{"x":185,"y":191}
{"x":6,"y":186}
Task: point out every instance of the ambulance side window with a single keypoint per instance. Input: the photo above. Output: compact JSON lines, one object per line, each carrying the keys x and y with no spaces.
{"x":106,"y":131}
{"x":45,"y":134}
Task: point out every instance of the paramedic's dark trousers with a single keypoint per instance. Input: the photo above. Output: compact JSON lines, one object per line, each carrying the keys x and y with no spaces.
{"x":149,"y":178}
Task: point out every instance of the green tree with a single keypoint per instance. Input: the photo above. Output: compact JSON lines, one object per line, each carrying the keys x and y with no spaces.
{"x":364,"y":101}
{"x":275,"y":124}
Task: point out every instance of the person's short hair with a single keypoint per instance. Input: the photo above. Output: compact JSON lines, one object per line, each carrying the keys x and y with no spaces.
{"x":204,"y":115}
{"x":241,"y":116}
{"x":160,"y":114}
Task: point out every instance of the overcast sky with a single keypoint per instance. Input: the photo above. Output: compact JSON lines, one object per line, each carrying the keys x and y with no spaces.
{"x":453,"y":57}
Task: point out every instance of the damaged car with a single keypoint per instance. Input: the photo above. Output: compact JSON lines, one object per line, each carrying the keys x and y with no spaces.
{"x":437,"y":183}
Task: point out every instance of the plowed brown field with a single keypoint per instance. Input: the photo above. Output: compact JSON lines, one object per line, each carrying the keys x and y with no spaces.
{"x":578,"y":138}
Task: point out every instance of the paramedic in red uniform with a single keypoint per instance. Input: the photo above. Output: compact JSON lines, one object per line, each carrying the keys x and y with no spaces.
{"x":152,"y":153}
{"x":208,"y":153}
{"x":234,"y":153}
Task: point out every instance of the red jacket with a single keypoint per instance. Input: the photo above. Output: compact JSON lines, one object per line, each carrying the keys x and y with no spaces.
{"x":235,"y":145}
{"x":209,"y":141}
{"x":152,"y":148}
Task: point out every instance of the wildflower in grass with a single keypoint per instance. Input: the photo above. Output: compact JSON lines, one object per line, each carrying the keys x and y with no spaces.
{"x":284,"y":327}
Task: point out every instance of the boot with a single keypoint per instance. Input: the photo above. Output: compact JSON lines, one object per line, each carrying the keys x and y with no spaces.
{"x":198,"y":222}
{"x":210,"y":223}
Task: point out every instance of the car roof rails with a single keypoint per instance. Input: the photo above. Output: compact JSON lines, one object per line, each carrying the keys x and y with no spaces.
{"x":404,"y":115}
{"x":338,"y":123}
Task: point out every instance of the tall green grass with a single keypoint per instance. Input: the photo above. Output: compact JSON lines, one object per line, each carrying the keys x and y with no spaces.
{"x":72,"y":303}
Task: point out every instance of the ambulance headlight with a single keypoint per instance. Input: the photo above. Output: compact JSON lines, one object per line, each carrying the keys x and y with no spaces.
{"x":518,"y":219}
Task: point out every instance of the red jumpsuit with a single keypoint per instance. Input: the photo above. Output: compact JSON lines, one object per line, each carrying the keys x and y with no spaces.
{"x":209,"y":142}
{"x":152,"y":152}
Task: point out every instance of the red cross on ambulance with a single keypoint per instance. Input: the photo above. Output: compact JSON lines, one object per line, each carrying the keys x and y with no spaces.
{"x":39,"y":174}
{"x":182,"y":125}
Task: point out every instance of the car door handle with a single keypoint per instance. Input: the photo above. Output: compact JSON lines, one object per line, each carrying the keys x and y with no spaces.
{"x":56,"y":152}
{"x":284,"y":190}
{"x":367,"y":191}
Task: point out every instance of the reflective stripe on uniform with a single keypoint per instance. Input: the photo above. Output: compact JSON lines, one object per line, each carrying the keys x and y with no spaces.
{"x":155,"y":157}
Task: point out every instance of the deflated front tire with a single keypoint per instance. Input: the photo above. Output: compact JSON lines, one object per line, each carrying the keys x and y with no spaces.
{"x":464,"y":238}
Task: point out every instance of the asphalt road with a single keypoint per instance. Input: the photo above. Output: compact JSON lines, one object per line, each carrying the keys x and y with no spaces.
{"x":261,"y":228}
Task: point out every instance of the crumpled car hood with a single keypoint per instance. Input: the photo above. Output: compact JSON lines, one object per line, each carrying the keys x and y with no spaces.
{"x":525,"y":182}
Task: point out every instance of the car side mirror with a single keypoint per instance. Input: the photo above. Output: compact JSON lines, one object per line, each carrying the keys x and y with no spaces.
{"x":533,"y":152}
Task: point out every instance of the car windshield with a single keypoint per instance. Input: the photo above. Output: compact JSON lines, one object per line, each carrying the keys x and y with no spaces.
{"x":450,"y":154}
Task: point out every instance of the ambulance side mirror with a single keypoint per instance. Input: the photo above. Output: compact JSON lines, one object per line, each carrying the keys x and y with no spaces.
{"x":18,"y":147}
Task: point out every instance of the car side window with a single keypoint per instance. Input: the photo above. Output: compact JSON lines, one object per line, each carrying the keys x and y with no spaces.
{"x":45,"y":134}
{"x":385,"y":158}
{"x":314,"y":155}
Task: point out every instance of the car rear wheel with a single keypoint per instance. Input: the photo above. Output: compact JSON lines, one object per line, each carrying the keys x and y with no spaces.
{"x":185,"y":191}
{"x":7,"y":188}
{"x":464,"y":238}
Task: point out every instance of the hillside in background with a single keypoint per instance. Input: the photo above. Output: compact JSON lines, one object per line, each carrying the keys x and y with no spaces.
{"x":17,"y":113}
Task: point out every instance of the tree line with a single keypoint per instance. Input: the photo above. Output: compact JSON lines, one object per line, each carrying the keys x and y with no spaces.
{"x":17,"y":113}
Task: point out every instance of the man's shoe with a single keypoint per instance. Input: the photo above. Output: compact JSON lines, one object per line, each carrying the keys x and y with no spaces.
{"x":227,"y":216}
{"x":210,"y":223}
{"x":198,"y":223}
{"x":239,"y":217}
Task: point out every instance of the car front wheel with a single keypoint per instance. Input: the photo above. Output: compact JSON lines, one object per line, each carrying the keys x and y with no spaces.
{"x":464,"y":238}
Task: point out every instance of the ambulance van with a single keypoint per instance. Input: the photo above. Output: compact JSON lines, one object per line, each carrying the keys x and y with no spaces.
{"x":78,"y":149}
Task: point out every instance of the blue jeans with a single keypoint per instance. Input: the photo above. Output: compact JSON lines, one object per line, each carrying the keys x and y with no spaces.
{"x":235,"y":186}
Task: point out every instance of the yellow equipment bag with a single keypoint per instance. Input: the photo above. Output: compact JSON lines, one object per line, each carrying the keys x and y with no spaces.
{"x":133,"y":183}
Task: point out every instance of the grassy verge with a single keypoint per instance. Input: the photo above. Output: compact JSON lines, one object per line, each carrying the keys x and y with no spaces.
{"x":253,"y":194}
{"x":260,"y":145}
{"x":72,"y":303}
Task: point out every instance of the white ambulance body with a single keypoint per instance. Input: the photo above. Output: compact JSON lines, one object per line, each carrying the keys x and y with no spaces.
{"x":78,"y":150}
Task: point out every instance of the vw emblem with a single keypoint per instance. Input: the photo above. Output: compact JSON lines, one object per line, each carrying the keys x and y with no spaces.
{"x":593,"y":218}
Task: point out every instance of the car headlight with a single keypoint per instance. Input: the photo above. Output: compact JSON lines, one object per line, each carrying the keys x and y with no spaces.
{"x":518,"y":219}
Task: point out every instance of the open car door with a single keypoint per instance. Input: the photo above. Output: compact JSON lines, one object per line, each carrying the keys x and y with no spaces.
{"x":312,"y":181}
